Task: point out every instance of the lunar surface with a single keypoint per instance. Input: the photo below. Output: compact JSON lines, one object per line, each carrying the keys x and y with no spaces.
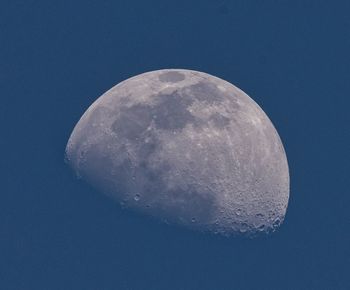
{"x":187,"y":148}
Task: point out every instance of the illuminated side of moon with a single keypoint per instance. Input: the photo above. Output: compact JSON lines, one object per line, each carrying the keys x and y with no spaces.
{"x":185,"y":147}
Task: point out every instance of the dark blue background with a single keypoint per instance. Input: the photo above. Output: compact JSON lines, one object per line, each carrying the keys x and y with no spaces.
{"x":57,"y":57}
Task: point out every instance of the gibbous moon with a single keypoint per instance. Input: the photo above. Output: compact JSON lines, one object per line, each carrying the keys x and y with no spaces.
{"x":187,"y":148}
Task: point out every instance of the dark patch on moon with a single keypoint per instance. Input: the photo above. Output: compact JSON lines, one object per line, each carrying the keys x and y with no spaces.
{"x":152,"y":174}
{"x":206,"y":92}
{"x":220,"y":121}
{"x":132,"y":121}
{"x":171,"y":77}
{"x":148,"y":147}
{"x":171,"y":113}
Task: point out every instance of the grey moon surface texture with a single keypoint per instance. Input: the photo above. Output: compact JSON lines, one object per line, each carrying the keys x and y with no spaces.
{"x":187,"y":148}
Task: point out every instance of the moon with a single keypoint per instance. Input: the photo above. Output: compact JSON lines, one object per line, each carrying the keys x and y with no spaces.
{"x":186,"y":148}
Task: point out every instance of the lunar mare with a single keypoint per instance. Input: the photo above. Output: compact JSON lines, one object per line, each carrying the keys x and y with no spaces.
{"x":187,"y":148}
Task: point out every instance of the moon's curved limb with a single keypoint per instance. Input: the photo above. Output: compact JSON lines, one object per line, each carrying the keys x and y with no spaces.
{"x":186,"y":147}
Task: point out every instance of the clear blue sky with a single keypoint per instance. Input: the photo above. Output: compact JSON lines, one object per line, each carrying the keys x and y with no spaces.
{"x":57,"y":57}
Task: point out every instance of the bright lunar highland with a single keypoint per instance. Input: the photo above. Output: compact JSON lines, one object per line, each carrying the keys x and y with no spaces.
{"x":187,"y":148}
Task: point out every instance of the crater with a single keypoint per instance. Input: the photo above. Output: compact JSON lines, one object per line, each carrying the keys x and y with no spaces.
{"x":171,"y":77}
